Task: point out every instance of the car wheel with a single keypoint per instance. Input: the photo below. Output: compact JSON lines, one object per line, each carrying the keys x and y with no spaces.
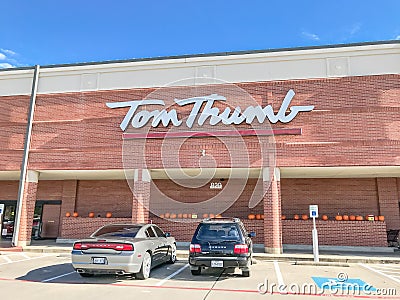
{"x":196,"y":271}
{"x":86,"y":274}
{"x":144,"y":272}
{"x":246,"y":273}
{"x":172,"y":258}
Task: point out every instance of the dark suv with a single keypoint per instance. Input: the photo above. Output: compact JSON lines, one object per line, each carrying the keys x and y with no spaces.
{"x":221,"y":243}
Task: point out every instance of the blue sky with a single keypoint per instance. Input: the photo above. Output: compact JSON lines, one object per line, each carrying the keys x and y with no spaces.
{"x":49,"y":32}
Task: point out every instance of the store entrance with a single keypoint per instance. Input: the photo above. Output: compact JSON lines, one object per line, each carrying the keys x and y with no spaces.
{"x":46,"y":219}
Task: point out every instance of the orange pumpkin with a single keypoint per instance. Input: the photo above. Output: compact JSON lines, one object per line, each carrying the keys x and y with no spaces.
{"x":262,"y":216}
{"x":179,"y":216}
{"x":108,"y":215}
{"x":296,"y":217}
{"x":376,"y":218}
{"x":345,"y":217}
{"x":68,"y":214}
{"x":167,"y":215}
{"x":251,"y":216}
{"x":212,"y":216}
{"x":75,"y":214}
{"x":205,"y":215}
{"x":258,"y":217}
{"x":184,"y":216}
{"x":91,"y":215}
{"x":172,"y":216}
{"x":162,"y":216}
{"x":283,"y":217}
{"x":304,"y":217}
{"x":352,"y":218}
{"x":338,"y":218}
{"x":381,"y":218}
{"x":325,"y":217}
{"x":359,"y":218}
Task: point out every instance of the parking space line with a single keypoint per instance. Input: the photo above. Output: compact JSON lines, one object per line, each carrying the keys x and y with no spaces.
{"x":16,"y":261}
{"x":6,"y":258}
{"x":59,"y":276}
{"x":172,"y":275}
{"x":380,"y":272}
{"x":279,"y":275}
{"x":24,"y":255}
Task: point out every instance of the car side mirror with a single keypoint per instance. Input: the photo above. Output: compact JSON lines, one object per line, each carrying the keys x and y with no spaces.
{"x":252,"y":234}
{"x":167,"y":234}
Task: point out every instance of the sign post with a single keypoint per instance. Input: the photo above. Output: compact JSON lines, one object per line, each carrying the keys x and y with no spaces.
{"x":313,"y":215}
{"x":1,"y":219}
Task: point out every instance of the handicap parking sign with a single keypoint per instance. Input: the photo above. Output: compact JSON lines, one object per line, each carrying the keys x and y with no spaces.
{"x":348,"y":284}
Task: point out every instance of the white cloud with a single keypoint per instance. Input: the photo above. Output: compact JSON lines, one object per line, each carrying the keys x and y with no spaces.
{"x":355,"y":28}
{"x":397,"y":37}
{"x":6,"y":66}
{"x":2,"y":56}
{"x":310,"y":36}
{"x":8,"y":52}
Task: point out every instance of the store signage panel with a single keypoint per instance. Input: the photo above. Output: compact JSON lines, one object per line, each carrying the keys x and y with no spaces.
{"x":228,"y":116}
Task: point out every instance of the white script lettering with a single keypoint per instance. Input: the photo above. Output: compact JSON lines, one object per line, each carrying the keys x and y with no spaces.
{"x":141,"y":118}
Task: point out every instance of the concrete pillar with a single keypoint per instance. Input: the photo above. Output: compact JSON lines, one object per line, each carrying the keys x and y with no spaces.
{"x":272,"y":211}
{"x":141,"y":196}
{"x":389,"y":201}
{"x":28,"y":208}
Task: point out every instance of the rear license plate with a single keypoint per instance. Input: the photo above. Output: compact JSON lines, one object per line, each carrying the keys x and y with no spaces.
{"x":99,"y":260}
{"x":217,"y":264}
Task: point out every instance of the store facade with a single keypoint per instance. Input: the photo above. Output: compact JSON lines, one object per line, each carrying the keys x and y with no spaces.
{"x":258,"y":135}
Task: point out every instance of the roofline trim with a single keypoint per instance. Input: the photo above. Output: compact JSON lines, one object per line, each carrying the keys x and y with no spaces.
{"x":212,"y":54}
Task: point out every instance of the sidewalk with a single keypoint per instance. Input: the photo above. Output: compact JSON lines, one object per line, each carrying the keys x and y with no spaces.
{"x":296,"y":256}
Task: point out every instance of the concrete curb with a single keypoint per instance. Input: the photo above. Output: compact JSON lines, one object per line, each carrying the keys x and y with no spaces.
{"x":299,"y":259}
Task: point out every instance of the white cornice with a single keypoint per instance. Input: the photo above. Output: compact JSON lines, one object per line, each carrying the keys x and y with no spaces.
{"x":259,"y":66}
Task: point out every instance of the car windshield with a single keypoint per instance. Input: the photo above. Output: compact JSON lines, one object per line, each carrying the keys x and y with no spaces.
{"x":124,"y":231}
{"x":218,"y":232}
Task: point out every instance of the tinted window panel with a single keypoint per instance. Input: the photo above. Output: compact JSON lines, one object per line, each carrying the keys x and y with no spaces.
{"x":218,"y":232}
{"x":150,"y":232}
{"x":158,"y":231}
{"x":125,"y":231}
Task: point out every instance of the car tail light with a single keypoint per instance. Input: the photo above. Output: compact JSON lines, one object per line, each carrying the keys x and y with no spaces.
{"x":195,"y":248}
{"x":241,"y":249}
{"x":112,"y":246}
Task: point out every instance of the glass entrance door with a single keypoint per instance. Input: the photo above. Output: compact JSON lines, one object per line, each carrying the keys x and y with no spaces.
{"x":8,"y":219}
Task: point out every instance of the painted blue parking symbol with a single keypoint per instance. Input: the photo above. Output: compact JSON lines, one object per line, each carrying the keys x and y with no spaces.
{"x":350,"y":284}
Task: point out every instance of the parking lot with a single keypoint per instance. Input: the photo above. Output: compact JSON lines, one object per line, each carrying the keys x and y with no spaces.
{"x":47,"y":276}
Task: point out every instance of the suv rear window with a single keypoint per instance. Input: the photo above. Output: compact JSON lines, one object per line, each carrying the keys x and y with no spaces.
{"x":127,"y":231}
{"x":218,"y":232}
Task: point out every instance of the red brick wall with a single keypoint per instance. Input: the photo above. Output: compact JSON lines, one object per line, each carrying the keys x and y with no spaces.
{"x":389,"y":201}
{"x":49,"y":190}
{"x":74,"y":228}
{"x":351,"y":196}
{"x":336,"y":233}
{"x":9,"y":190}
{"x":102,"y":196}
{"x":13,"y":118}
{"x":77,"y":228}
{"x":354,"y":117}
{"x":239,"y":209}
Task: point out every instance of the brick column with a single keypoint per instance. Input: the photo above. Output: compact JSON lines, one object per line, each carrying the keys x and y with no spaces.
{"x":272,"y":211}
{"x":68,"y":199}
{"x":28,"y":208}
{"x":389,"y":201}
{"x":141,"y":196}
